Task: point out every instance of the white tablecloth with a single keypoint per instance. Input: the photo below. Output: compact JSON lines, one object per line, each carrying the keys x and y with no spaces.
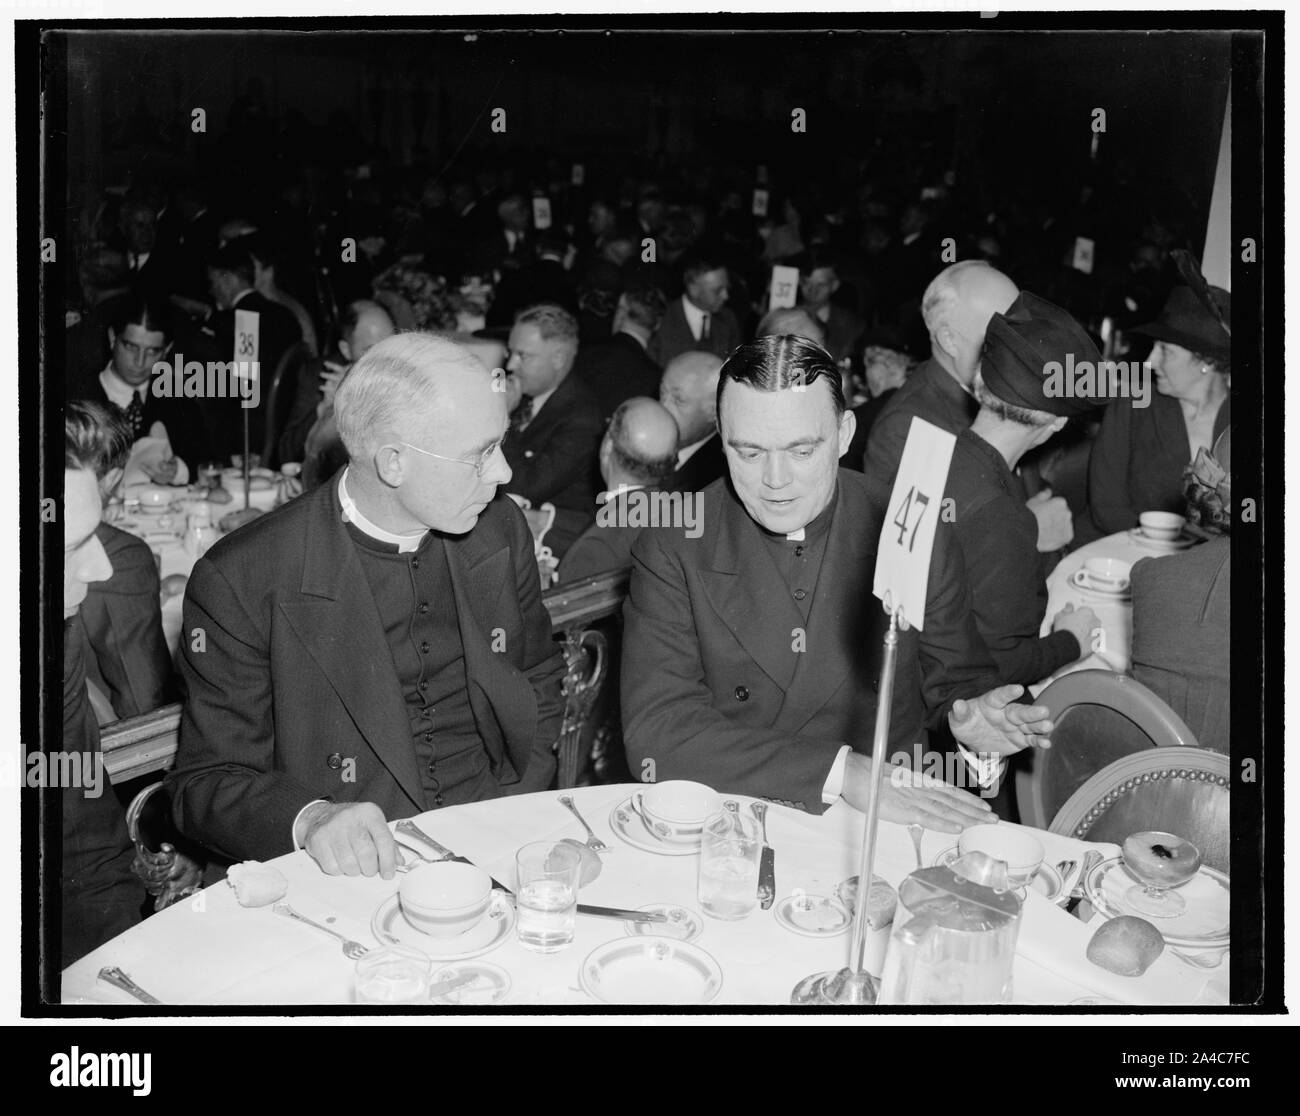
{"x":211,"y":951}
{"x":1116,"y":616}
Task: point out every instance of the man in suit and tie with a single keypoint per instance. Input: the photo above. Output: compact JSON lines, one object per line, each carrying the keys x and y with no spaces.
{"x":377,"y":647}
{"x":556,"y":426}
{"x":818,"y":282}
{"x":637,"y":455}
{"x":751,"y":650}
{"x":509,"y":247}
{"x":619,"y":368}
{"x":689,"y":391}
{"x":700,"y":319}
{"x":140,"y":337}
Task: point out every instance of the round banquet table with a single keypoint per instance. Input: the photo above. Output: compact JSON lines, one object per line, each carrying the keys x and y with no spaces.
{"x":209,"y":950}
{"x":1116,"y":616}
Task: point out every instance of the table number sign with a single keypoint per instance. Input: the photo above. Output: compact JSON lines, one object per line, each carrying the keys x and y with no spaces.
{"x":579,"y":175}
{"x":1083,"y":253}
{"x":760,"y":202}
{"x":541,"y":213}
{"x":907,"y":538}
{"x":247,"y":324}
{"x":785,"y":287}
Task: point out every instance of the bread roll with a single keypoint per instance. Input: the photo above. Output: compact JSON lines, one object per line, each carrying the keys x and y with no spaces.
{"x":256,"y":884}
{"x":1126,"y":946}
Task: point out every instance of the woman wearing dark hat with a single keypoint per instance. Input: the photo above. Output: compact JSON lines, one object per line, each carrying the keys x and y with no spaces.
{"x":1181,"y":608}
{"x":1141,"y":451}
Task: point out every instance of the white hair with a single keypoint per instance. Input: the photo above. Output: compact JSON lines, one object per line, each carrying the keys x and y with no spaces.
{"x":395,"y":383}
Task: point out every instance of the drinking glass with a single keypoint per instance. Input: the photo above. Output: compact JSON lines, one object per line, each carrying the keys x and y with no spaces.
{"x":393,"y":974}
{"x":730,"y":848}
{"x":549,"y":874}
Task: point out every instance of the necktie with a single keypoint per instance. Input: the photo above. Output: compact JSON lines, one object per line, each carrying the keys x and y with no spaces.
{"x":704,"y":328}
{"x":523,"y":414}
{"x":135,"y":413}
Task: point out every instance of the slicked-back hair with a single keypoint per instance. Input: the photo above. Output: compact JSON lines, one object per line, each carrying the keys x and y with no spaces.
{"x":393,"y":385}
{"x":96,"y":437}
{"x":149,"y":314}
{"x":553,"y":322}
{"x":781,"y":362}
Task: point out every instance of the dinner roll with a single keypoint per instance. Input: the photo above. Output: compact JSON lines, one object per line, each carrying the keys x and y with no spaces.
{"x":1126,"y":946}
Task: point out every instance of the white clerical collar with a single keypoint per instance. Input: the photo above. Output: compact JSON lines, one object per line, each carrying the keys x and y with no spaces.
{"x":119,"y":392}
{"x":694,"y":317}
{"x":684,"y":455}
{"x":352,"y":514}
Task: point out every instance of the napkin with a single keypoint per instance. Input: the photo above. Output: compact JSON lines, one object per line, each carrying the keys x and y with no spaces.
{"x":154,"y":448}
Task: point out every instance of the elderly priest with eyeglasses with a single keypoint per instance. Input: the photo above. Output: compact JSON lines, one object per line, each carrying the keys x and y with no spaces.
{"x":378,"y":647}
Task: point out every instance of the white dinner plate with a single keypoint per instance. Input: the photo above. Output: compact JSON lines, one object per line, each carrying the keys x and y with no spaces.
{"x":1080,"y":580}
{"x":390,"y":927}
{"x":650,"y":971}
{"x":1047,"y":880}
{"x":1182,"y":542}
{"x":1204,"y":923}
{"x":628,"y":825}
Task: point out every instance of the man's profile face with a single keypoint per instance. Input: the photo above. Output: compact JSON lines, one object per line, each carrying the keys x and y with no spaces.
{"x":466,"y":419}
{"x":691,"y":407}
{"x":135,"y":351}
{"x":140,"y":227}
{"x":539,"y":365}
{"x":84,"y":559}
{"x":708,"y":290}
{"x":783,"y":450}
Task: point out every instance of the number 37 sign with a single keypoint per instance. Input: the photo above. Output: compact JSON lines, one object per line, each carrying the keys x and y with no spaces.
{"x":903,"y":556}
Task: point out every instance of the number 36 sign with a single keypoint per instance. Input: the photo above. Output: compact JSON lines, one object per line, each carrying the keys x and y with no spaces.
{"x":903,"y":556}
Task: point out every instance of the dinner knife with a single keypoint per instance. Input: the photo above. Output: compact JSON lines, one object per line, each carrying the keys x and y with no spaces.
{"x":408,"y":828}
{"x":767,"y":860}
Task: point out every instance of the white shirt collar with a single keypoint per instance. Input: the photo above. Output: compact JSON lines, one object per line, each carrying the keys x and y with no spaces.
{"x":694,"y":317}
{"x":235,"y":302}
{"x":605,"y":497}
{"x":684,"y":455}
{"x":352,"y":514}
{"x":539,"y":401}
{"x":119,"y":392}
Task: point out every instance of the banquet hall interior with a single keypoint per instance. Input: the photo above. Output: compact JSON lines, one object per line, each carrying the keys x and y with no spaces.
{"x":641,"y":239}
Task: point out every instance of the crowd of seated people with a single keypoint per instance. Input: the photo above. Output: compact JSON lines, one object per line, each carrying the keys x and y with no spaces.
{"x":442,"y":351}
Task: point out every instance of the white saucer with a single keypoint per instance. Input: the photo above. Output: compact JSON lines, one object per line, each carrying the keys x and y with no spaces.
{"x":1182,"y":542}
{"x":491,"y":983}
{"x":390,"y":927}
{"x":1204,"y":922}
{"x":1047,"y":880}
{"x":628,"y":825}
{"x":813,"y":916}
{"x":1080,"y":580}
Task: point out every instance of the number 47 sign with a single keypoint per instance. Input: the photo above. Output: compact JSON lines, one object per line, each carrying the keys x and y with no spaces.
{"x":907,"y":538}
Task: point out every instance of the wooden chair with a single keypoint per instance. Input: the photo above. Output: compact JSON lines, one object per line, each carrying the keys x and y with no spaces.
{"x":279,"y":392}
{"x":1100,"y":717}
{"x":1172,"y":789}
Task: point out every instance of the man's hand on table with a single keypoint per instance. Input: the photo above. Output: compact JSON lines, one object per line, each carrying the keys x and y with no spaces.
{"x":908,"y":798}
{"x":348,"y":839}
{"x":1082,"y":623}
{"x":994,"y":722}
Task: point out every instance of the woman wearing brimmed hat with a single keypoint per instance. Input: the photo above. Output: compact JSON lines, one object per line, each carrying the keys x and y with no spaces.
{"x":1141,"y":451}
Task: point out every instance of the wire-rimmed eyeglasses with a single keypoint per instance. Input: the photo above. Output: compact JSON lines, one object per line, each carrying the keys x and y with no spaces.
{"x":478,"y":464}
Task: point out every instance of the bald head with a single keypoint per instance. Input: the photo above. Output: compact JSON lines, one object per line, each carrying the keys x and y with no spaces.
{"x":640,"y":446}
{"x":957,"y":307}
{"x":793,"y":319}
{"x":364,"y":325}
{"x":689,"y":391}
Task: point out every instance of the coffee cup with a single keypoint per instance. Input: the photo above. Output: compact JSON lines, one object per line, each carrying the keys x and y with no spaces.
{"x":445,"y":898}
{"x":1021,"y":852}
{"x":1107,"y":573}
{"x":1164,"y":526}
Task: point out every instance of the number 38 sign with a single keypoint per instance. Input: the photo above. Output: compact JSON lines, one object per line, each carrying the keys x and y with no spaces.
{"x":903,"y":556}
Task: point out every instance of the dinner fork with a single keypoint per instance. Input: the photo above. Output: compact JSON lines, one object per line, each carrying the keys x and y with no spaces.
{"x":593,"y":842}
{"x":353,"y":950}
